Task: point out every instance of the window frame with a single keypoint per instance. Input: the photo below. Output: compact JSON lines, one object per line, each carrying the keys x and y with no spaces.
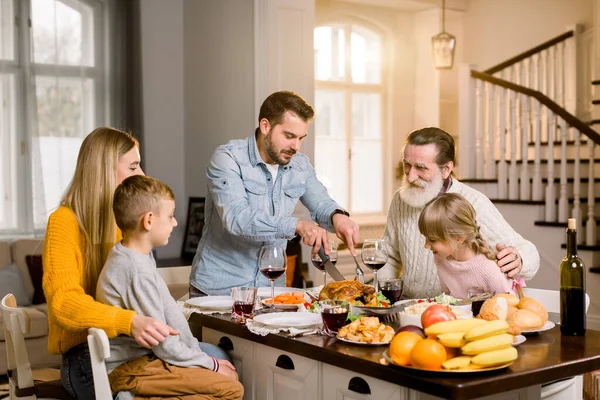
{"x":25,"y":72}
{"x":348,"y":87}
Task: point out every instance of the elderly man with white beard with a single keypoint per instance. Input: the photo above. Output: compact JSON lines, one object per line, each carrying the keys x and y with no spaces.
{"x":428,"y":163}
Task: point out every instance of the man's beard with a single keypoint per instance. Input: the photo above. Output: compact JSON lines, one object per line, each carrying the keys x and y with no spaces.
{"x":274,"y":154}
{"x":420,"y":192}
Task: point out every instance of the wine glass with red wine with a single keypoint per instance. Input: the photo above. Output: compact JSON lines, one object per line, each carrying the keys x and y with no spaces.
{"x":272,"y":264}
{"x":318,"y":263}
{"x":374,"y":256}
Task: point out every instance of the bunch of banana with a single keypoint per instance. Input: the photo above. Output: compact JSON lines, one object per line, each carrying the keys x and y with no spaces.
{"x":482,"y":343}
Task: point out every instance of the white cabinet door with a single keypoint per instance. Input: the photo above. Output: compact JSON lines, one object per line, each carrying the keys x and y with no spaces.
{"x":341,"y":384}
{"x":242,"y":355}
{"x":285,"y":376}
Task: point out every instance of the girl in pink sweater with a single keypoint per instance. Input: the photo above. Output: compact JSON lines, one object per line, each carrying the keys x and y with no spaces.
{"x":463,"y":259}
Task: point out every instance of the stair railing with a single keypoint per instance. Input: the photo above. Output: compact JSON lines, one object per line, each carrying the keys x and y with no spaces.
{"x":506,"y":111}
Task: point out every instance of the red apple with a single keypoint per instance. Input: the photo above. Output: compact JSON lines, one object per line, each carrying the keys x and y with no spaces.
{"x":436,"y":313}
{"x":412,"y":328}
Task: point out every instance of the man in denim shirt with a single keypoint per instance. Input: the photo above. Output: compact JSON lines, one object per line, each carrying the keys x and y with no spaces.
{"x":254,"y":185}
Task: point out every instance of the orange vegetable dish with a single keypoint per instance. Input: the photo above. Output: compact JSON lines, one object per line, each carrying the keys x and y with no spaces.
{"x":288,"y":298}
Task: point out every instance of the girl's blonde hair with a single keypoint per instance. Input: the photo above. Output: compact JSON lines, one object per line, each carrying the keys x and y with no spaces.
{"x":449,"y":217}
{"x":90,"y":196}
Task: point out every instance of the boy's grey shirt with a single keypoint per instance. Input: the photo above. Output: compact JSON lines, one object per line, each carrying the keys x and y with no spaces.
{"x":129,"y":280}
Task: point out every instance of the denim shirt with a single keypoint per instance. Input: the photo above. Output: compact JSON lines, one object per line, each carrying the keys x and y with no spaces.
{"x":246,"y":209}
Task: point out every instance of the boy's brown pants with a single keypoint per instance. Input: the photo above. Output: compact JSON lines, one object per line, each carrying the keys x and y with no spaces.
{"x":149,"y":377}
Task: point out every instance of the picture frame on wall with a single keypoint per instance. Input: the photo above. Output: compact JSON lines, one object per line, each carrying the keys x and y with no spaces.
{"x":193,"y":227}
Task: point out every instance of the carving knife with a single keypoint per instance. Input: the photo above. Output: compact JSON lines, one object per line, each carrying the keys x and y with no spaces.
{"x":329,"y":267}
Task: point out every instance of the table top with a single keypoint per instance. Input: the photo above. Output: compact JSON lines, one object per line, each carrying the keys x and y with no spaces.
{"x":544,"y":357}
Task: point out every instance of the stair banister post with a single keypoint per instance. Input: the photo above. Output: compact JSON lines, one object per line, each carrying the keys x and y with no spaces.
{"x":544,"y":89}
{"x":490,"y":159}
{"x":466,"y":121}
{"x":537,"y":193}
{"x":573,"y":80}
{"x":525,"y":134}
{"x":513,"y":178}
{"x":590,"y":227}
{"x":550,"y":189}
{"x":563,"y":202}
{"x":479,"y":127}
{"x":501,"y":131}
{"x":576,"y":211}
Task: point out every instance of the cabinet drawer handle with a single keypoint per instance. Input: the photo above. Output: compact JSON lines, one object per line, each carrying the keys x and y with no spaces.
{"x":225,"y":343}
{"x":284,"y":362}
{"x":359,"y":385}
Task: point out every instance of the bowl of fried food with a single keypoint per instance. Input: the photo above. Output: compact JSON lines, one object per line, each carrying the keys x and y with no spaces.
{"x":366,"y":331}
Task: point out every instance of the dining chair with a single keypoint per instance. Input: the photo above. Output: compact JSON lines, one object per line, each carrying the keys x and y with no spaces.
{"x":566,"y":389}
{"x":20,"y":377}
{"x":99,"y":352}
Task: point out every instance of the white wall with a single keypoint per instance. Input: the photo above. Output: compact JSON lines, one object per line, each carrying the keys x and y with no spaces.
{"x":219,"y":81}
{"x":496,"y":30}
{"x":163,"y":104}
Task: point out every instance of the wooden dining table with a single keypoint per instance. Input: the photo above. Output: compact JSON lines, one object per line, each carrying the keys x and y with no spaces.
{"x":544,"y":357}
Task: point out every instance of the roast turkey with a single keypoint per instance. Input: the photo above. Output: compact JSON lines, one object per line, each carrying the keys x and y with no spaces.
{"x":351,"y":291}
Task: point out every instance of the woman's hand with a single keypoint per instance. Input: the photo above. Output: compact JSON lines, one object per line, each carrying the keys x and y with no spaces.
{"x":149,"y":332}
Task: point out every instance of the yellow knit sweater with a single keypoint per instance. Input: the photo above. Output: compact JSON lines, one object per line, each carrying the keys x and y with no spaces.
{"x":70,"y":310}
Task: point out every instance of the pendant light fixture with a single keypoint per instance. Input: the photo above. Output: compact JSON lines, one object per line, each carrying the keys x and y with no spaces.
{"x":443,"y":45}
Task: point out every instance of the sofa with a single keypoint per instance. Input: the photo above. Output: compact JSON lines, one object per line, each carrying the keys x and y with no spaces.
{"x":15,"y":277}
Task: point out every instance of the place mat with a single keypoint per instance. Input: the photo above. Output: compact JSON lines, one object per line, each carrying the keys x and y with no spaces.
{"x":263,"y":330}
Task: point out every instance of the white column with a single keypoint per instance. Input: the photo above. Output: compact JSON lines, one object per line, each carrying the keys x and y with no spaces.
{"x":563,"y":203}
{"x":479,"y":134}
{"x":590,"y":228}
{"x":490,"y":160}
{"x":466,"y":120}
{"x":550,"y":188}
{"x":501,"y":132}
{"x":525,"y":192}
{"x":537,"y":193}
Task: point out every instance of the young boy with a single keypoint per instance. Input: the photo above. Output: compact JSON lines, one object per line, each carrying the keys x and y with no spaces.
{"x":144,"y":209}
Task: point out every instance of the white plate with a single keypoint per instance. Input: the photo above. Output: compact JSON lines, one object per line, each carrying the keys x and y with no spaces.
{"x":280,"y":306}
{"x":362,"y":343}
{"x":286,"y":319}
{"x":546,"y":327}
{"x":520,"y":339}
{"x":265,"y":292}
{"x":212,"y":302}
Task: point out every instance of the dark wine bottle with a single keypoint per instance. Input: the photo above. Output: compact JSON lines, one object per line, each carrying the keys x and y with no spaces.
{"x":572,"y":287}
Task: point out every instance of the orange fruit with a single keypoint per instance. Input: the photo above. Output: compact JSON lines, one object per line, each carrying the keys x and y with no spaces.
{"x":402,"y":345}
{"x":428,"y":354}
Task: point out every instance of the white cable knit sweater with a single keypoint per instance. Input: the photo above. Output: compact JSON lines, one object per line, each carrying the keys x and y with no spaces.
{"x":407,"y":255}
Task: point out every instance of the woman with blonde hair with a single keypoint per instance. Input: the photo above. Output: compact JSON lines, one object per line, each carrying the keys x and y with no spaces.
{"x":463,"y":259}
{"x":79,"y":236}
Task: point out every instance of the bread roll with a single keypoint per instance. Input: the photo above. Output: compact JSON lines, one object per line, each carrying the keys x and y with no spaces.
{"x":513,"y":328}
{"x":511,"y":311}
{"x":531,"y":304}
{"x":494,"y":308}
{"x":511,"y":299}
{"x":526,"y":320}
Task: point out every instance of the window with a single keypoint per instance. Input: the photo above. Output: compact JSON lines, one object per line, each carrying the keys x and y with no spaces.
{"x":349,"y":104}
{"x":52,"y":94}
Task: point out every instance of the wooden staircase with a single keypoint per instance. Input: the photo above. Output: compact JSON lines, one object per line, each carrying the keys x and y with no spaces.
{"x":522,"y":143}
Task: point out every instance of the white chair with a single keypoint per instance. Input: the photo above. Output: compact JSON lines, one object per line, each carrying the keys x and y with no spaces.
{"x":20,"y":377}
{"x":566,"y":389}
{"x":99,"y":351}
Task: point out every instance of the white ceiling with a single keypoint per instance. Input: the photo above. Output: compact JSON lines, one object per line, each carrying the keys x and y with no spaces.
{"x":411,"y":5}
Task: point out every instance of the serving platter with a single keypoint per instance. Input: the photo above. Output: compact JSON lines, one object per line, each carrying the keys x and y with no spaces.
{"x":546,"y":327}
{"x":388,"y":358}
{"x":362,"y":343}
{"x":518,"y":340}
{"x":267,"y":303}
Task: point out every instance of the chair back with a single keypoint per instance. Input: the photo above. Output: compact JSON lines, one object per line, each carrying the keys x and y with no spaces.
{"x":550,"y":298}
{"x":16,"y":325}
{"x":99,"y":351}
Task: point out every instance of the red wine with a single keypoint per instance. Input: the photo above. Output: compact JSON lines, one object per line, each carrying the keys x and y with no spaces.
{"x":375,"y":265}
{"x":393,"y":295}
{"x":242,"y":308}
{"x":334,"y":320}
{"x":320,"y":265}
{"x":572,"y":287}
{"x":573,"y":321}
{"x":272,"y":273}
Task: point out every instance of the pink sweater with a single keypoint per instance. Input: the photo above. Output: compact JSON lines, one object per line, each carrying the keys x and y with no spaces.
{"x":457,"y":277}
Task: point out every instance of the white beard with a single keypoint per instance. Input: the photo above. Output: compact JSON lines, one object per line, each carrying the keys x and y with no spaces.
{"x":419,"y":193}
